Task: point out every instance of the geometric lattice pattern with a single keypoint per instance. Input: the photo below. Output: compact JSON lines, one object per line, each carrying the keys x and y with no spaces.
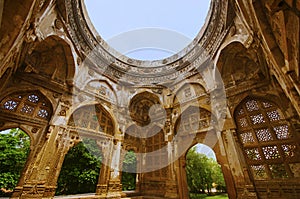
{"x":266,"y":138}
{"x":33,"y":105}
{"x":259,"y":172}
{"x":247,"y":137}
{"x":93,"y":118}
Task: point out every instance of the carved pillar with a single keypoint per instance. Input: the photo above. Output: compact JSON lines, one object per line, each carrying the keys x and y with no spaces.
{"x":171,"y":183}
{"x":109,"y":184}
{"x":102,"y":186}
{"x":234,"y":168}
{"x":181,"y":178}
{"x":40,"y":181}
{"x":114,"y":185}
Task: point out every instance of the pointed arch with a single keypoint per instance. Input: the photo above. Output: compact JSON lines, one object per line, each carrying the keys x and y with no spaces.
{"x":93,"y":118}
{"x":28,"y":104}
{"x":52,"y":59}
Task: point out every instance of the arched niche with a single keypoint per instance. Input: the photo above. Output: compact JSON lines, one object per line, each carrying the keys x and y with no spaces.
{"x":51,"y":59}
{"x":132,"y":139}
{"x":188,"y":91}
{"x":238,"y":64}
{"x":145,"y":107}
{"x":92,"y":118}
{"x":193,"y":120}
{"x":102,"y":89}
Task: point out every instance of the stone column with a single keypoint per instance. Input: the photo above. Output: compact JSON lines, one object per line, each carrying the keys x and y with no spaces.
{"x":171,"y":184}
{"x":109,"y":184}
{"x":41,"y":177}
{"x":114,"y":185}
{"x":234,"y":168}
{"x":102,"y":186}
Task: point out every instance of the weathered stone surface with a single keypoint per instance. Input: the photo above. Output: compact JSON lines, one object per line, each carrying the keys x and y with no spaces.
{"x":51,"y":90}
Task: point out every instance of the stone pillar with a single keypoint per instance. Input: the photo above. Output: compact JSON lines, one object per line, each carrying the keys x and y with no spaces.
{"x":102,"y":186}
{"x":234,"y":168}
{"x":41,"y":176}
{"x":171,"y":184}
{"x":181,"y":178}
{"x":109,"y":184}
{"x":114,"y":185}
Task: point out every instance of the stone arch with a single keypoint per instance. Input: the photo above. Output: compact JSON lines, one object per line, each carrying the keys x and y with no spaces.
{"x":267,"y":139}
{"x":236,"y":61}
{"x":103,"y":89}
{"x":52,"y":59}
{"x":94,"y":118}
{"x":30,"y":105}
{"x":193,"y":130}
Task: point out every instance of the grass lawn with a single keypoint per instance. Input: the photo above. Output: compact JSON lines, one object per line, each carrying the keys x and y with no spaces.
{"x":222,"y":196}
{"x":204,"y":196}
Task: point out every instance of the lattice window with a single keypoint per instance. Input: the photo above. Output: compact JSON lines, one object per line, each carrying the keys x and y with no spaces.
{"x":257,"y":119}
{"x":282,"y":132}
{"x":266,"y":138}
{"x":247,"y":137}
{"x":33,"y":105}
{"x":92,"y":118}
{"x":264,"y":135}
{"x":259,"y":171}
{"x":252,"y":105}
{"x":253,"y":154}
{"x":271,"y":152}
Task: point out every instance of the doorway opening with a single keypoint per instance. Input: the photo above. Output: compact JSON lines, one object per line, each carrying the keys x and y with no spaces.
{"x":15,"y":148}
{"x":204,"y":175}
{"x":129,"y":175}
{"x":80,"y":170}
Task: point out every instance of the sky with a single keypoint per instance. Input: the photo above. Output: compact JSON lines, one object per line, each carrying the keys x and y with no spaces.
{"x":206,"y":150}
{"x":114,"y":17}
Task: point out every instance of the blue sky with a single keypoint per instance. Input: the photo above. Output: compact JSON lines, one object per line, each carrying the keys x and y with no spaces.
{"x":113,"y":17}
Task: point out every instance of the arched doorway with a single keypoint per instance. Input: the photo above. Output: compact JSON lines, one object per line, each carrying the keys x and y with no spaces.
{"x":15,"y":149}
{"x":203,"y":173}
{"x":129,"y":171}
{"x":80,"y":170}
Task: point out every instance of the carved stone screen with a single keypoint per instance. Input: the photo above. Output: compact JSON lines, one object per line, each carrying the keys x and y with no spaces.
{"x":267,"y":139}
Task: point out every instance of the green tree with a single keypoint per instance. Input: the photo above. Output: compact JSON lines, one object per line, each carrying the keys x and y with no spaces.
{"x":129,"y":178}
{"x":80,"y":170}
{"x":218,"y":177}
{"x":202,"y":172}
{"x":14,"y":148}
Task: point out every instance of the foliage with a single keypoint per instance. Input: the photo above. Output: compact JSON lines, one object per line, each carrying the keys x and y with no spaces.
{"x":129,"y":178}
{"x":202,"y":172}
{"x":80,"y":170}
{"x":14,"y":147}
